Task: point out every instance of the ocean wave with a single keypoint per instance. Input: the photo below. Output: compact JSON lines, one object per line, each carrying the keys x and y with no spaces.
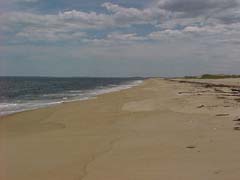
{"x":47,"y":100}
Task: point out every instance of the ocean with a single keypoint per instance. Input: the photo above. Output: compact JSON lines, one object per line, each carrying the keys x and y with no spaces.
{"x":26,"y":93}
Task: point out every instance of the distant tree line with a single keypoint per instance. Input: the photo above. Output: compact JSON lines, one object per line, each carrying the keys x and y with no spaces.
{"x":212,"y":76}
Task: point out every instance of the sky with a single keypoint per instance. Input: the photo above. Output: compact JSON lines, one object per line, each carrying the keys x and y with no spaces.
{"x":119,"y":37}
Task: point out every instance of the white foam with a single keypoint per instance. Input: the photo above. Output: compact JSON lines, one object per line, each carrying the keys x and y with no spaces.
{"x":115,"y":88}
{"x":10,"y":108}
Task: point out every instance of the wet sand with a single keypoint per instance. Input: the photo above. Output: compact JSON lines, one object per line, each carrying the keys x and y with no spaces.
{"x":161,"y":129}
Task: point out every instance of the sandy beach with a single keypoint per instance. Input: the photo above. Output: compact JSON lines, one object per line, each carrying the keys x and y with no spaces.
{"x":159,"y":130}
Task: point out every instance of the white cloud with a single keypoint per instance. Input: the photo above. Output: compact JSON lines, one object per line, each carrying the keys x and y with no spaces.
{"x":54,"y":27}
{"x":86,"y":20}
{"x":50,"y":35}
{"x":124,"y":37}
{"x":70,"y":25}
{"x":174,"y":18}
{"x":205,"y":29}
{"x":125,"y":15}
{"x":115,"y":39}
{"x":189,"y":35}
{"x":161,"y":35}
{"x":74,"y":20}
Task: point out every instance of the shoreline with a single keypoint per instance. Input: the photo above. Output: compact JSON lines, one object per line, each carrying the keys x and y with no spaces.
{"x":106,"y":90}
{"x":160,"y":129}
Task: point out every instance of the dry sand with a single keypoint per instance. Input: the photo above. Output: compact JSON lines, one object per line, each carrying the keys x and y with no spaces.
{"x":160,"y":130}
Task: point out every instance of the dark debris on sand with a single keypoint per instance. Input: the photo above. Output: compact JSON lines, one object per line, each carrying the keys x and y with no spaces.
{"x":236,"y":128}
{"x":222,"y":114}
{"x":191,"y":147}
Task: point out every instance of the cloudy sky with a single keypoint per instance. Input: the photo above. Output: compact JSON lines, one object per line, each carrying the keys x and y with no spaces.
{"x":119,"y":37}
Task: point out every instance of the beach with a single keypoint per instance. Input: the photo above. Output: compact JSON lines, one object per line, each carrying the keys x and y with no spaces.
{"x":162,"y":129}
